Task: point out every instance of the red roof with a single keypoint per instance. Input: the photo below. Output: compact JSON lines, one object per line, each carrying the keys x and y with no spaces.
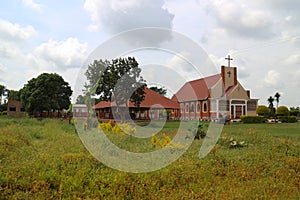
{"x":197,"y":89}
{"x":152,"y":100}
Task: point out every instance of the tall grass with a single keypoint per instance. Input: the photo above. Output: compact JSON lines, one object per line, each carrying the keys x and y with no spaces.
{"x":46,"y":160}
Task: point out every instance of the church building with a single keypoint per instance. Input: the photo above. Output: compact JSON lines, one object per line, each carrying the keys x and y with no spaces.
{"x":215,"y":97}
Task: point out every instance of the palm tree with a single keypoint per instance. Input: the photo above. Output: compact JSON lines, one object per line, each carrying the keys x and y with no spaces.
{"x":271,"y":105}
{"x":277,"y":96}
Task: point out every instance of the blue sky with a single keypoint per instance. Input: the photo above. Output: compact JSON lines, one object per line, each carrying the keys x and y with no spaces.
{"x":263,"y":37}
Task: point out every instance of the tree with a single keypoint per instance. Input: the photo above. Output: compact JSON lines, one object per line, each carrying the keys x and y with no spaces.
{"x":282,"y":111}
{"x":271,"y":105}
{"x":80,"y":99}
{"x":120,"y":82}
{"x":47,"y":92}
{"x":262,"y":110}
{"x":2,"y":92}
{"x":14,"y":95}
{"x":295,"y":111}
{"x":161,"y":90}
{"x":95,"y":71}
{"x":277,"y":96}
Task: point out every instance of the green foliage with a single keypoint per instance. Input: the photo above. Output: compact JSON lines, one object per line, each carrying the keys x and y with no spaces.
{"x":3,"y":107}
{"x":119,"y":79}
{"x":295,"y":111}
{"x":288,"y":119}
{"x":200,"y":132}
{"x":3,"y":112}
{"x":262,"y":110}
{"x":14,"y":95}
{"x":161,"y":90}
{"x":45,"y":93}
{"x":282,"y":111}
{"x":253,"y":119}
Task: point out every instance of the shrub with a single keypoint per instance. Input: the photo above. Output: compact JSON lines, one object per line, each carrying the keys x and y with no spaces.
{"x":262,"y":110}
{"x":288,"y":119}
{"x":200,"y":133}
{"x":253,"y":119}
{"x":282,"y":111}
{"x":3,"y":113}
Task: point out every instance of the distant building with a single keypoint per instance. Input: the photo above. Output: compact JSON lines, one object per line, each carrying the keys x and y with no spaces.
{"x":154,"y":106}
{"x":214,"y":97}
{"x":79,"y":110}
{"x":15,"y":109}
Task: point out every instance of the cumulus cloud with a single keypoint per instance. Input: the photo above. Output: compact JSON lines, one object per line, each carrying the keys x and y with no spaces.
{"x":11,"y":31}
{"x":31,"y":4}
{"x":241,"y":19}
{"x":273,"y":79}
{"x":117,"y":16}
{"x":60,"y":54}
{"x":113,"y":17}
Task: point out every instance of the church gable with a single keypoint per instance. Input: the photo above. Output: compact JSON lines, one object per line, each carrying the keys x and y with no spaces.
{"x":237,"y":92}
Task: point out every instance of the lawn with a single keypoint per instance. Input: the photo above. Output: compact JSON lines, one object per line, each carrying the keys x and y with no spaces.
{"x":46,"y":160}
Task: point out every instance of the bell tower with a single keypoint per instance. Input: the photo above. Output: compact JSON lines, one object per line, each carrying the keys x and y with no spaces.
{"x":229,"y":75}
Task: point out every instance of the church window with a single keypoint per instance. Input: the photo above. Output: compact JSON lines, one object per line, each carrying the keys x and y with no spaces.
{"x":198,"y":107}
{"x":205,"y":107}
{"x":187,"y":108}
{"x":192,"y":108}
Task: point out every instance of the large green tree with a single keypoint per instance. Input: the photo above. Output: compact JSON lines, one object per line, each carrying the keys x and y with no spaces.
{"x":47,"y":92}
{"x":119,"y":81}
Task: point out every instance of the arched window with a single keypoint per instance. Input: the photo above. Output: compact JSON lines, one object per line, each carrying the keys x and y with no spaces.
{"x":198,"y":107}
{"x":192,"y":108}
{"x":187,"y":108}
{"x":204,"y":107}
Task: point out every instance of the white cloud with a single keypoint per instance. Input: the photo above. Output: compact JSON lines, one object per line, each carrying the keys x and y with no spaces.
{"x":60,"y":54}
{"x":31,"y":4}
{"x":293,"y":59}
{"x":241,"y":19}
{"x":116,"y":16}
{"x":10,"y":31}
{"x":273,"y":79}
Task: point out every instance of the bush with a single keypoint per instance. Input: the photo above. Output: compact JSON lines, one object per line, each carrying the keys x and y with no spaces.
{"x":253,"y":119}
{"x":288,"y":119}
{"x":3,"y":113}
{"x":282,"y":111}
{"x":262,"y":110}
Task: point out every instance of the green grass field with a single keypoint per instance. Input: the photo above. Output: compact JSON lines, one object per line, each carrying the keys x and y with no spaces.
{"x":46,"y":160}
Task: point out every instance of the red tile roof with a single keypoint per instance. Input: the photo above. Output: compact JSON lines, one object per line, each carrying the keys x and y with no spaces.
{"x":152,"y":100}
{"x":196,"y":89}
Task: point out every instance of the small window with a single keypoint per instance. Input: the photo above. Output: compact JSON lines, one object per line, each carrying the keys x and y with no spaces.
{"x":198,"y":107}
{"x":12,"y":109}
{"x":22,"y":109}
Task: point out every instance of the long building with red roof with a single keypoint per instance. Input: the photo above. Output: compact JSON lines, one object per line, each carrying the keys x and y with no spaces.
{"x":154,"y":106}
